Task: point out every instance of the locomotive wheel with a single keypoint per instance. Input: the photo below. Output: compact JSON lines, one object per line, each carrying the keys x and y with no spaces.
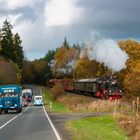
{"x":106,"y":96}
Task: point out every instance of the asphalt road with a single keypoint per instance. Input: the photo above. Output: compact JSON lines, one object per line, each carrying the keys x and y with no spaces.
{"x":32,"y":124}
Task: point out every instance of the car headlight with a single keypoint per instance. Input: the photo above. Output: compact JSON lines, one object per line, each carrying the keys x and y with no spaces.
{"x":0,"y":105}
{"x":15,"y":104}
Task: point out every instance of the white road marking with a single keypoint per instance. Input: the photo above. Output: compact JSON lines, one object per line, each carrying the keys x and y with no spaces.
{"x":54,"y":129}
{"x":8,"y":122}
{"x":14,"y":117}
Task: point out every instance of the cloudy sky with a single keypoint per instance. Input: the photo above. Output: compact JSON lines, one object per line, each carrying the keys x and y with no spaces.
{"x":43,"y":24}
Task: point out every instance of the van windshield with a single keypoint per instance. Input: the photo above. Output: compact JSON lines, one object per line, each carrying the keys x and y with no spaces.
{"x":38,"y":98}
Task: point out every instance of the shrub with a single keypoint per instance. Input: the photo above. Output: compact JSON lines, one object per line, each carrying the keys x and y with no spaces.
{"x":57,"y":91}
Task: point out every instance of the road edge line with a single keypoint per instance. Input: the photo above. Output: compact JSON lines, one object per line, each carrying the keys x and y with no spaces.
{"x":53,"y":127}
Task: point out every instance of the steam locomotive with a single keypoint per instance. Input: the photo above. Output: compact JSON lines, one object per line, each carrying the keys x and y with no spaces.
{"x":106,"y":87}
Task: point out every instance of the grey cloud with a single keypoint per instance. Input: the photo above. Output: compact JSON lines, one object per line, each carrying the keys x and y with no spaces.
{"x":113,"y":19}
{"x":117,"y":18}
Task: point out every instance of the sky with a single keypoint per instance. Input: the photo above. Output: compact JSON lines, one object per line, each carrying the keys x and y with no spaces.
{"x":43,"y":24}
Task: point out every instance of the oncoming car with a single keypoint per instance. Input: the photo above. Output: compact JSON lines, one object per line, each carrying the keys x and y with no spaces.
{"x":38,"y":100}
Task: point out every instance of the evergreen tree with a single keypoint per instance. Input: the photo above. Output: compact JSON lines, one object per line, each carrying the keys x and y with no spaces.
{"x":65,"y":43}
{"x":11,"y":44}
{"x":7,"y":47}
{"x":0,"y":38}
{"x":18,"y":50}
{"x":49,"y":56}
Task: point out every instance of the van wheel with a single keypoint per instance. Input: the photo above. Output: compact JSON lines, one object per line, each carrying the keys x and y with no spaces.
{"x":19,"y":110}
{"x":6,"y":111}
{"x":0,"y":111}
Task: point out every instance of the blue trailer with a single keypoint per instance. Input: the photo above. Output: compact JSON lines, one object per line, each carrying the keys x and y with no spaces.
{"x":10,"y":98}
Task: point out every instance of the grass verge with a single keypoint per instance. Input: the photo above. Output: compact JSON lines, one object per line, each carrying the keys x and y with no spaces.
{"x":54,"y":106}
{"x":96,"y":128}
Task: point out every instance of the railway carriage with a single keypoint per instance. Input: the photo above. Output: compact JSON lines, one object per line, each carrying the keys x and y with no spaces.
{"x":106,"y":87}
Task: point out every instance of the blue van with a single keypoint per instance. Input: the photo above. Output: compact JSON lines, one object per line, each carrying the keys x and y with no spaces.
{"x":10,"y":98}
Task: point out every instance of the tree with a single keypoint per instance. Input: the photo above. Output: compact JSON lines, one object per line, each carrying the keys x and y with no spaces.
{"x":19,"y":55}
{"x":85,"y":68}
{"x":9,"y":72}
{"x":130,"y":77}
{"x":11,"y":45}
{"x":65,"y":43}
{"x":65,"y":59}
{"x":40,"y":71}
{"x":0,"y":39}
{"x":49,"y":56}
{"x":132,"y":81}
{"x":7,"y":44}
{"x":27,"y":74}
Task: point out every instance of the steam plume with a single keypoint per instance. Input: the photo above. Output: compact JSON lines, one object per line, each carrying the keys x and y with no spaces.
{"x":108,"y":52}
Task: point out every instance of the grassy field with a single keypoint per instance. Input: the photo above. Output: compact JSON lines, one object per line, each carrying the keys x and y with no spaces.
{"x":96,"y":128}
{"x":105,"y":127}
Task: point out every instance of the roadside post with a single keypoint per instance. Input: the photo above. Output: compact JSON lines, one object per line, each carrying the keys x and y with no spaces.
{"x":50,"y":105}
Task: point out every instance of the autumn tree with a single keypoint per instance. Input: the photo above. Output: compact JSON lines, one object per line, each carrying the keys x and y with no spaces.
{"x":131,"y":75}
{"x":65,"y":59}
{"x":132,"y":81}
{"x":40,"y":71}
{"x":27,"y":72}
{"x":9,"y":72}
{"x":86,"y":68}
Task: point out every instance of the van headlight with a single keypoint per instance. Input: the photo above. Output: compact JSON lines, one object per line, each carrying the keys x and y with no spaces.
{"x":15,"y":104}
{"x":0,"y":105}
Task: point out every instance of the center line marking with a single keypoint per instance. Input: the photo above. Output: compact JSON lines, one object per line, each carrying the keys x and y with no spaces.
{"x":14,"y":117}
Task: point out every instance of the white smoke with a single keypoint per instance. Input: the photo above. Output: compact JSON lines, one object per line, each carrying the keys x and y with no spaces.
{"x":108,"y":52}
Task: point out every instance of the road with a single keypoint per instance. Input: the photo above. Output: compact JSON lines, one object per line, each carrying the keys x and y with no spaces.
{"x":32,"y":124}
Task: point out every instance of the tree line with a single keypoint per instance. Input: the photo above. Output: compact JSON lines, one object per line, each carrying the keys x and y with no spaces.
{"x":11,"y":55}
{"x":66,"y":61}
